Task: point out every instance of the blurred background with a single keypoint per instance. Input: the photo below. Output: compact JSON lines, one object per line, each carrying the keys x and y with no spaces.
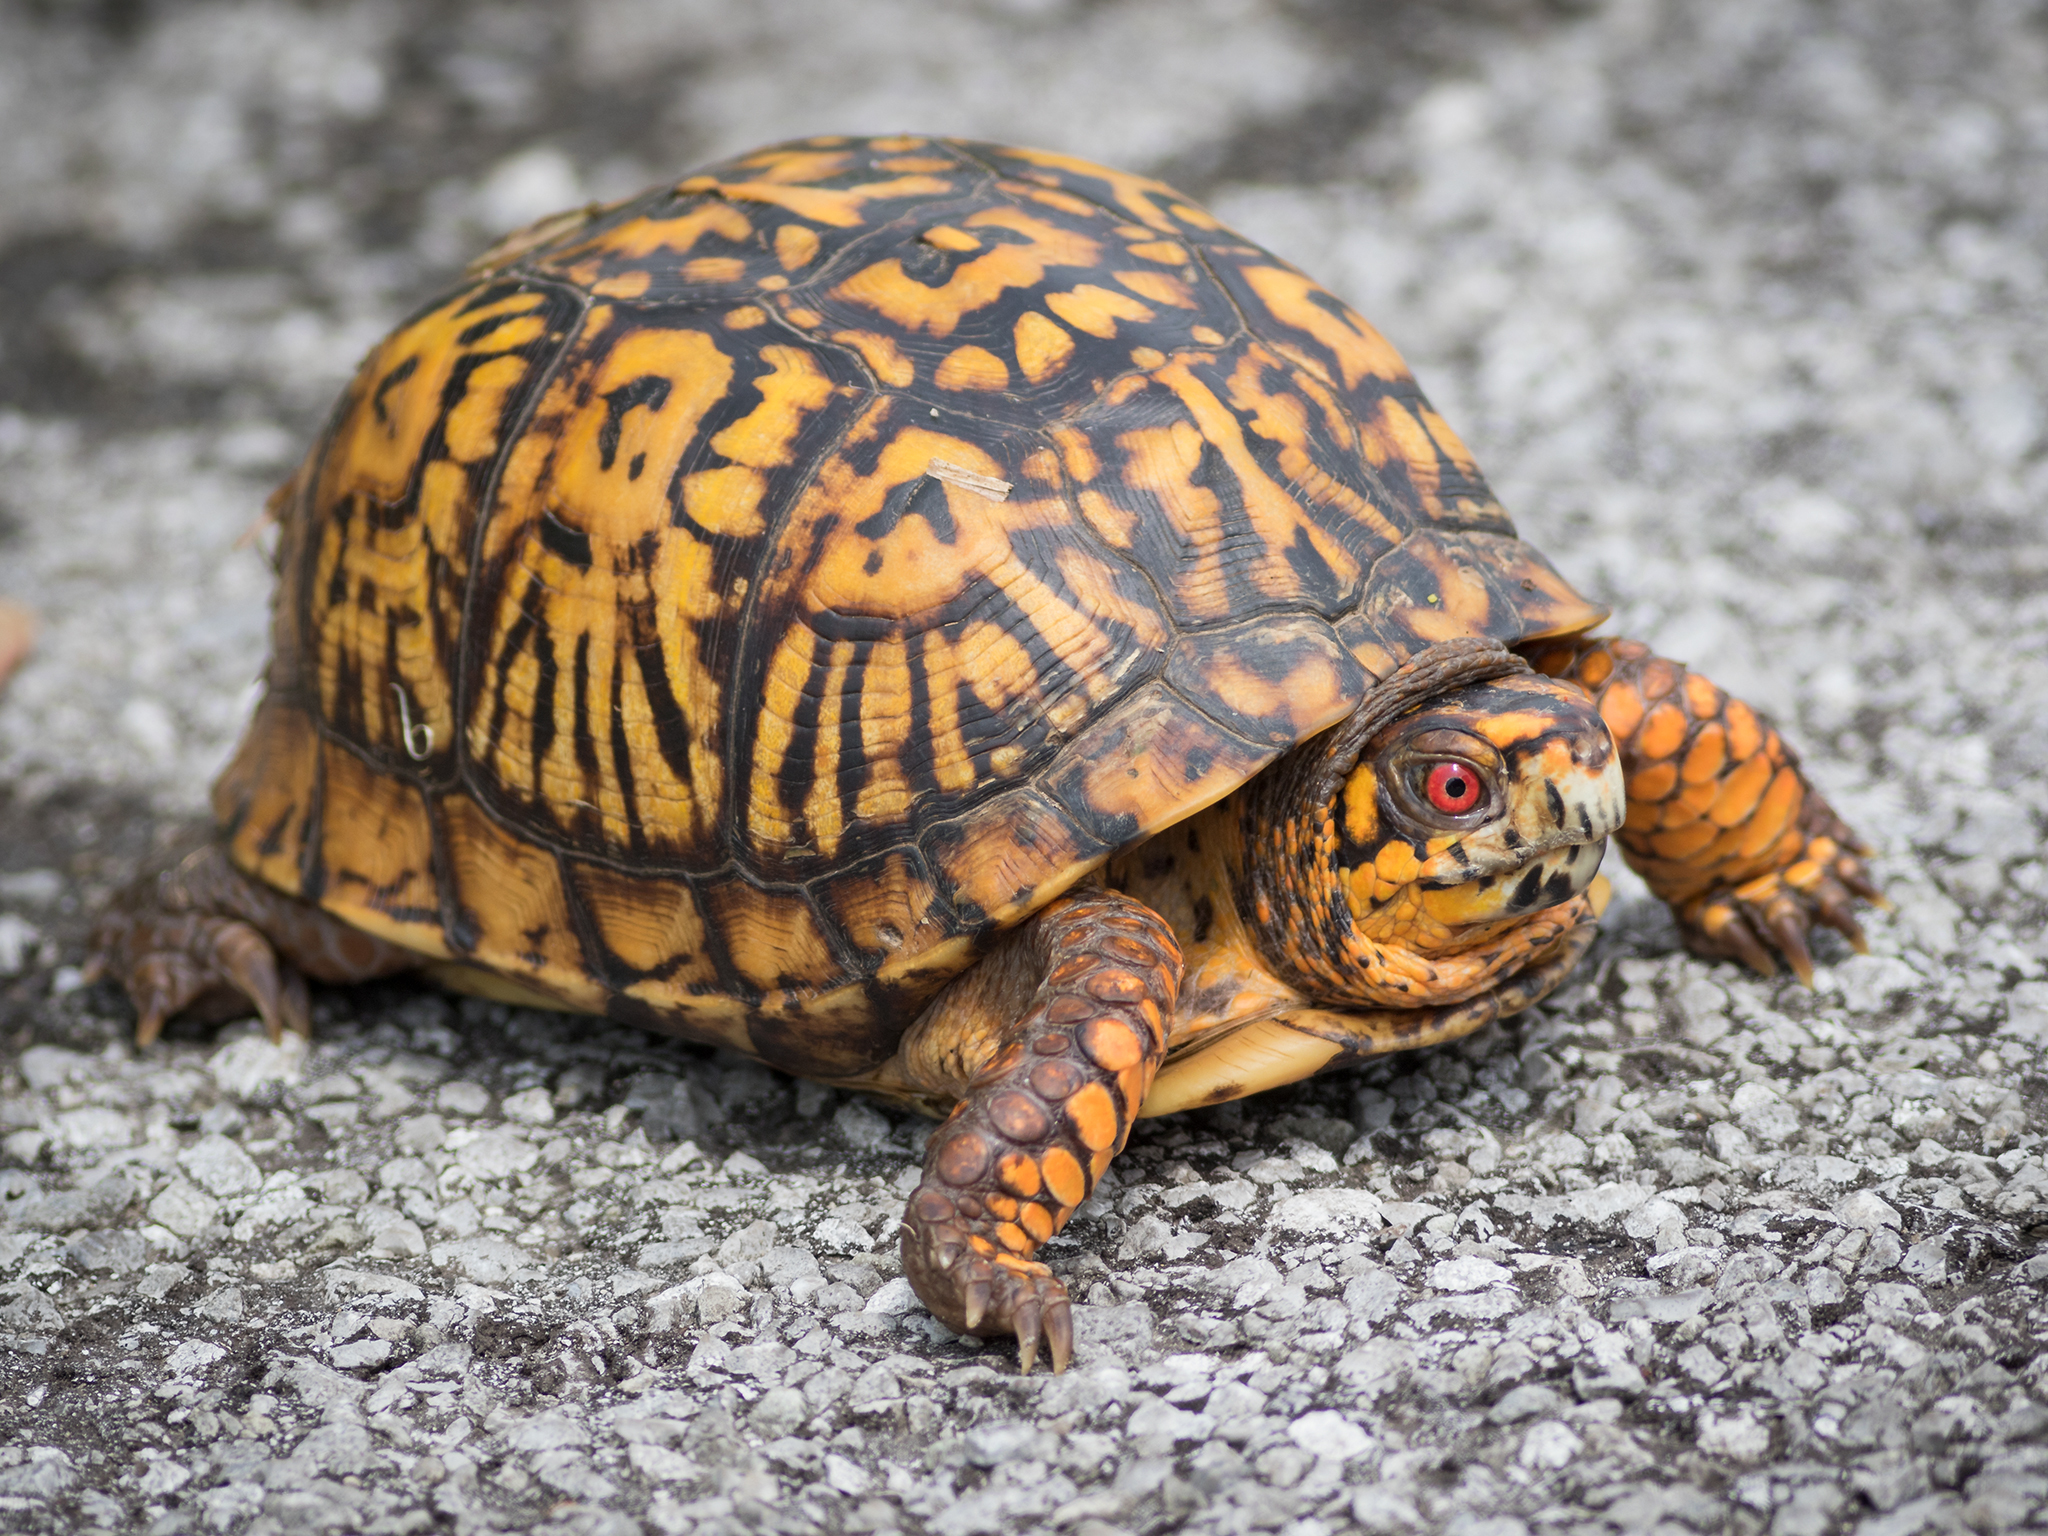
{"x":1740,"y":305}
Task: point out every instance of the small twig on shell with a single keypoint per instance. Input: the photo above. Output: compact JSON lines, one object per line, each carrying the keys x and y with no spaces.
{"x":970,"y":480}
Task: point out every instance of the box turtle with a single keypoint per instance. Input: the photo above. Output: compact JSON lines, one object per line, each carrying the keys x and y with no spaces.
{"x":958,"y":623}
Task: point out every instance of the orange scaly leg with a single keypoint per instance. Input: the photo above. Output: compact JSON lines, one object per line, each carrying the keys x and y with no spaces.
{"x":1041,"y":1121}
{"x":1721,"y":822}
{"x":203,"y":934}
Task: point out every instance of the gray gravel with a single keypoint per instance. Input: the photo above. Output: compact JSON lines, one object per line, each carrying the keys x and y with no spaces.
{"x":1743,"y":307}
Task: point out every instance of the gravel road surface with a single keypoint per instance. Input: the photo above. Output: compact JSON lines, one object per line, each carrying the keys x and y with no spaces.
{"x":1744,"y":306}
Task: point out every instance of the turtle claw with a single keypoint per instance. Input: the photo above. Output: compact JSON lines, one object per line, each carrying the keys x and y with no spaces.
{"x":1833,"y":909}
{"x":975,"y":1288}
{"x":1767,"y":922}
{"x":1045,"y":1319}
{"x":1059,"y":1334}
{"x":1041,"y":1119}
{"x":1029,"y":1333}
{"x":1720,"y":928}
{"x":201,"y":935}
{"x":156,"y":996}
{"x":974,"y":1298}
{"x":1788,"y":931}
{"x":253,"y":969}
{"x":160,"y":984}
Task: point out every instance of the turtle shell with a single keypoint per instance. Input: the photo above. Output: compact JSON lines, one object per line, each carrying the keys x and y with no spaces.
{"x":730,"y":607}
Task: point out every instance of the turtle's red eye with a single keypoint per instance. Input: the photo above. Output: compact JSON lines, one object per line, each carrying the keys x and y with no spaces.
{"x":1453,"y":788}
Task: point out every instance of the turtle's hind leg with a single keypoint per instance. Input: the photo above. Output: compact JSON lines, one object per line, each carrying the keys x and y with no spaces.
{"x":1048,"y":1100}
{"x":203,"y":935}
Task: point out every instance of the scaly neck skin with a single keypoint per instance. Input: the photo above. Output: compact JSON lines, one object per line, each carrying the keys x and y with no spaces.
{"x":1189,"y":875}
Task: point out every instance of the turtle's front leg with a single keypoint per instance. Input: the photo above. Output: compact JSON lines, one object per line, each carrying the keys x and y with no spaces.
{"x":201,"y":934}
{"x":1722,"y":824}
{"x":1040,"y":1117}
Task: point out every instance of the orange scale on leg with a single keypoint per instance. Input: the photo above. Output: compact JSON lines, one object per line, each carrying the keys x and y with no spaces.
{"x":1773,"y":811}
{"x":1642,"y":815}
{"x":1092,"y":1114}
{"x":1054,"y":1080}
{"x":1745,"y":731}
{"x":1695,"y":800}
{"x":1707,"y":755}
{"x":1019,"y":1175}
{"x":1154,"y":1021}
{"x":1622,"y":708}
{"x":1740,"y":791}
{"x":1014,"y":1237}
{"x":963,"y":1159}
{"x":1111,"y":1045}
{"x":1683,"y":842}
{"x":1702,"y":697}
{"x":1759,"y":889}
{"x":1116,"y":987}
{"x":1654,"y":783}
{"x":1663,"y":732}
{"x":1065,"y":1180}
{"x":1131,"y":1086}
{"x":1130,"y":951}
{"x":1019,"y":1117}
{"x":1036,"y":1220}
{"x":999,"y":1065}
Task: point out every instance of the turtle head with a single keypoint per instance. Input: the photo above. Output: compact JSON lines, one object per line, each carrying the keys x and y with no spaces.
{"x":1433,"y":854}
{"x":1481,"y":807}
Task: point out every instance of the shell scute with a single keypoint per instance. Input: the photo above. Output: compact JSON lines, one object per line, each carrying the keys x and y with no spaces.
{"x":923,"y":644}
{"x":267,"y":801}
{"x":887,"y":905}
{"x":773,"y":939}
{"x":376,"y":850}
{"x":1422,"y":461}
{"x":1272,"y":682}
{"x":648,"y":933}
{"x":1007,"y":857}
{"x":1152,"y":761}
{"x":1439,"y":586}
{"x":507,"y":906}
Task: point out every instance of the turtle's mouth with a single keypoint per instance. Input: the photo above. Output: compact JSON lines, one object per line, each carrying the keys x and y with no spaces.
{"x":1512,"y":894}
